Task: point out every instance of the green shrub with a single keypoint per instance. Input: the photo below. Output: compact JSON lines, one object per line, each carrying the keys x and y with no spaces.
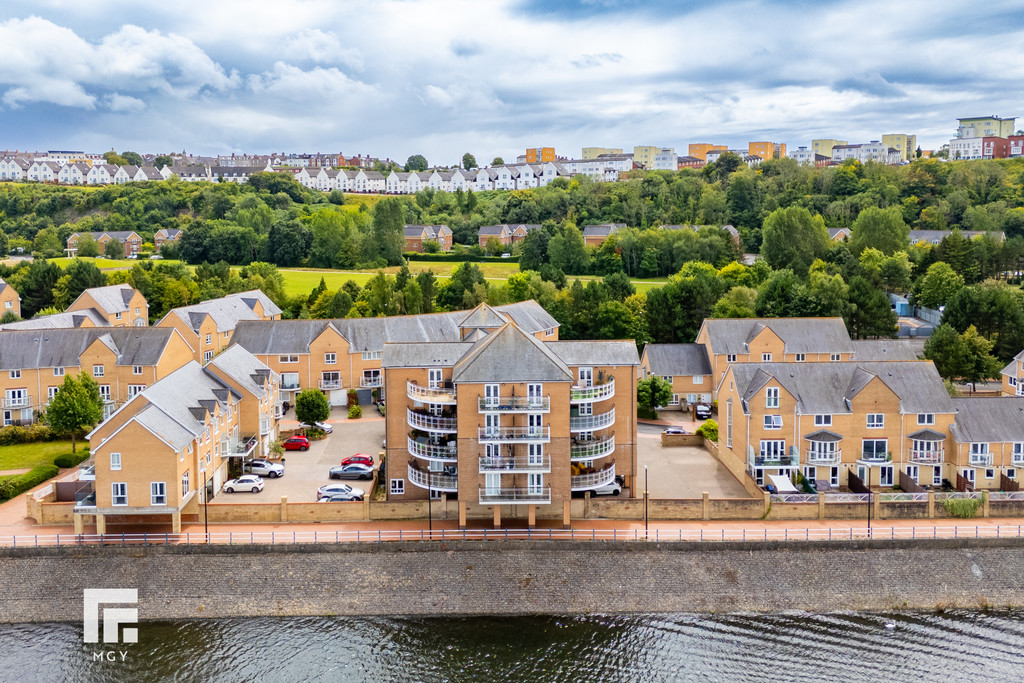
{"x":964,"y":508}
{"x":23,"y":482}
{"x":709,"y":430}
{"x":315,"y":434}
{"x":14,"y":434}
{"x":71,"y":459}
{"x":355,"y":412}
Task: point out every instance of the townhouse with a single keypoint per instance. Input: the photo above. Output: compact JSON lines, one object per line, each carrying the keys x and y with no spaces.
{"x":120,"y":305}
{"x":595,"y":235}
{"x":130,"y":240}
{"x":685,"y":366}
{"x":338,"y":354}
{"x":417,"y":235}
{"x":169,"y":447}
{"x":869,"y":151}
{"x":165,"y":235}
{"x":505,"y":234}
{"x":827,"y":420}
{"x":87,"y":318}
{"x":1013,"y":376}
{"x":207,"y":326}
{"x":10,"y":301}
{"x":988,"y":437}
{"x":506,"y":423}
{"x":123,"y":361}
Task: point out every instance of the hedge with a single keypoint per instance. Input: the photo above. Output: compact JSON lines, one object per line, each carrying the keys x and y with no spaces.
{"x":71,"y":459}
{"x":23,"y":482}
{"x":709,"y":430}
{"x":416,"y":256}
{"x":14,"y":434}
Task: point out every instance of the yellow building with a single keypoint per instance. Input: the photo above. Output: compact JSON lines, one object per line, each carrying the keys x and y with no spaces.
{"x":207,"y":326}
{"x":988,"y":437}
{"x":767,"y":150}
{"x":595,"y":152}
{"x":120,"y":305}
{"x":507,"y":423}
{"x":823,"y":146}
{"x":539,"y":155}
{"x":1013,"y":376}
{"x":10,"y":302}
{"x":685,"y":367}
{"x":644,"y":155}
{"x":700,"y":149}
{"x":905,"y":144}
{"x":985,"y":127}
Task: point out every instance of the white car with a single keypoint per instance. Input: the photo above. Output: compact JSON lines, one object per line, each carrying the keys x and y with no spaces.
{"x":246,"y":482}
{"x":265,"y":468}
{"x":612,"y":489}
{"x":322,"y":426}
{"x":336,"y":492}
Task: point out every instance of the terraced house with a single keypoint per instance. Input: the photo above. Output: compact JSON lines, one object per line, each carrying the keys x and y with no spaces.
{"x":130,"y":240}
{"x":124,"y":361}
{"x":336,"y":355}
{"x":208,"y":326}
{"x":120,"y":305}
{"x":168,"y":448}
{"x":508,"y":424}
{"x":1013,"y":376}
{"x":417,"y":235}
{"x":10,"y":301}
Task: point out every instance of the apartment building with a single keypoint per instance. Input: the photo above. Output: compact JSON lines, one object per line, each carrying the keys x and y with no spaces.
{"x":417,"y":235}
{"x":700,"y":149}
{"x":979,"y":148}
{"x":824,"y":146}
{"x":538,"y":155}
{"x":505,"y":234}
{"x":130,"y":241}
{"x":165,"y":235}
{"x":120,"y":305}
{"x":168,"y":448}
{"x":1013,"y":376}
{"x":988,"y":438}
{"x":984,"y":126}
{"x":339,"y":354}
{"x":865,"y":152}
{"x":826,"y":420}
{"x":507,"y":423}
{"x":10,"y":301}
{"x":207,"y":326}
{"x":808,"y":157}
{"x":594,"y":152}
{"x":904,"y":143}
{"x":124,"y":361}
{"x":685,"y":366}
{"x":767,"y":150}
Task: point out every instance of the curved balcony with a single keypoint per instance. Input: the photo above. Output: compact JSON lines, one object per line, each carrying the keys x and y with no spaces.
{"x":824,"y":457}
{"x":588,"y":423}
{"x":594,"y":480}
{"x":516,"y":464}
{"x":514,"y":434}
{"x":928,"y":456}
{"x":540,"y":495}
{"x":431,"y":423}
{"x":597,"y":392}
{"x":429,"y":451}
{"x":433,"y":481}
{"x":515,"y":404}
{"x":429,"y":395}
{"x":592,"y":449}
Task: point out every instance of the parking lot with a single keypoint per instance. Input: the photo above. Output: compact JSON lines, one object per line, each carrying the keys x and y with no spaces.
{"x":305,"y":472}
{"x":681,"y":471}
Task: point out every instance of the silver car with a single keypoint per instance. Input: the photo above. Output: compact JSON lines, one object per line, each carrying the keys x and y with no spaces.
{"x":336,"y":492}
{"x":265,"y":468}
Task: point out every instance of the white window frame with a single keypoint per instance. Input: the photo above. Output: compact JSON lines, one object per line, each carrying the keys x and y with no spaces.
{"x":14,"y":374}
{"x":771,"y":397}
{"x":98,"y":371}
{"x":822,"y":420}
{"x":115,"y":462}
{"x":875,"y":420}
{"x":801,"y":357}
{"x":698,"y":379}
{"x":119,"y":491}
{"x":835,"y":357}
{"x":330,"y":358}
{"x":135,"y":389}
{"x":773,"y":422}
{"x":209,"y":339}
{"x":766,"y":358}
{"x":58,"y":372}
{"x":730,"y":358}
{"x":372,"y":355}
{"x":926,"y":418}
{"x":136,"y":369}
{"x":937,"y":475}
{"x":397,"y":487}
{"x":158,"y":493}
{"x":186,"y":482}
{"x":288,"y":358}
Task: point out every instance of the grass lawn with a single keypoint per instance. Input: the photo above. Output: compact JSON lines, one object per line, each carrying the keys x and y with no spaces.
{"x":107,"y":263}
{"x":29,"y":455}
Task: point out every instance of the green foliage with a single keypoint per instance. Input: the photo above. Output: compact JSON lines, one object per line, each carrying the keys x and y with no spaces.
{"x":15,"y":434}
{"x":652,"y":392}
{"x":113,"y":249}
{"x":938,"y":285}
{"x":966,"y":356}
{"x":17,"y":485}
{"x":709,"y":430}
{"x":416,"y":162}
{"x":76,"y":407}
{"x":963,"y":508}
{"x":311,"y":405}
{"x":793,"y":238}
{"x":355,"y":412}
{"x":70,"y":459}
{"x":468,"y":161}
{"x":87,"y":246}
{"x":882,"y":229}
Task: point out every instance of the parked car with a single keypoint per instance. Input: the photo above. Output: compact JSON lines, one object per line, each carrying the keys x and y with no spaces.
{"x":296,"y":443}
{"x":340,"y":498}
{"x":702,"y":411}
{"x":353,"y":470}
{"x":265,"y":468}
{"x":380,"y":407}
{"x":246,"y":482}
{"x":338,"y":492}
{"x":360,"y":458}
{"x":610,"y":489}
{"x":674,"y":430}
{"x":322,"y":426}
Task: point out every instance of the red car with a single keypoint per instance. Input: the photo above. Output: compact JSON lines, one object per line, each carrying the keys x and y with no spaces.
{"x":358,"y":458}
{"x":296,"y":443}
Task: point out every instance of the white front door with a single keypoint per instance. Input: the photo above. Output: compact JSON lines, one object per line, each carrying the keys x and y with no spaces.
{"x":586,"y":377}
{"x":885,"y":475}
{"x":912,"y":472}
{"x":535,"y":483}
{"x":969,"y":475}
{"x":536,"y":425}
{"x":533,"y":393}
{"x":491,"y":392}
{"x":492,"y":424}
{"x":434,"y":378}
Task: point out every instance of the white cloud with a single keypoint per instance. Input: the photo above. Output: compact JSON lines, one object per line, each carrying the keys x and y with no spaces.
{"x":322,"y":47}
{"x":118,"y":102}
{"x":313,"y":88}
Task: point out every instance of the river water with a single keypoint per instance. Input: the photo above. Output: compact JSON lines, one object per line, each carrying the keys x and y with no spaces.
{"x":952,"y":646}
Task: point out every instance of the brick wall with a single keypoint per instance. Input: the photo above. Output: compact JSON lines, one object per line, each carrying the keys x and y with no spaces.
{"x":523,"y":577}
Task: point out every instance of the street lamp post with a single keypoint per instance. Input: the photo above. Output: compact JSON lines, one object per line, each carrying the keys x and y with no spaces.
{"x":206,"y":509}
{"x":646,"y":496}
{"x":430,"y":514}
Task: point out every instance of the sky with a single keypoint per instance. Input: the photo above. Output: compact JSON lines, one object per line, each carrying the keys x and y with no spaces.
{"x":391,"y":78}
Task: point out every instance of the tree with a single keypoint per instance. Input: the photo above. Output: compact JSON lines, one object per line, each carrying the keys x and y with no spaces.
{"x":163,"y":160}
{"x":468,"y":161}
{"x":882,"y":229}
{"x":652,"y":392}
{"x":113,"y":249}
{"x":311,"y":406}
{"x":82,"y":275}
{"x":87,"y":246}
{"x":114,"y":158}
{"x":387,"y":238}
{"x":793,"y":238}
{"x":497,"y":161}
{"x":133,"y":158}
{"x":869,"y":313}
{"x":35,"y":285}
{"x":76,"y":406}
{"x":9,"y":317}
{"x":738,"y":302}
{"x":416,"y":162}
{"x":288,"y":242}
{"x":966,"y":356}
{"x":938,"y":285}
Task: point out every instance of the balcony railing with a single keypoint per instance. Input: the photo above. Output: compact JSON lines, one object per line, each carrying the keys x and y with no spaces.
{"x":594,"y":480}
{"x":369,"y":382}
{"x":824,"y":457}
{"x":514,"y":434}
{"x":436,"y":481}
{"x":875,"y":457}
{"x":512,"y":464}
{"x":17,"y":401}
{"x":588,"y":423}
{"x":429,"y":451}
{"x":515,"y":496}
{"x":597,"y":392}
{"x":928,"y":456}
{"x":593,"y":449}
{"x":329,"y":384}
{"x":515,"y":404}
{"x":428,"y":394}
{"x":980,"y":459}
{"x":431,"y":423}
{"x":289,"y":384}
{"x":87,"y":473}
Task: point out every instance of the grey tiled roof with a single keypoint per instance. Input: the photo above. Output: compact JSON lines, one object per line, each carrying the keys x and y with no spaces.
{"x":179,"y":393}
{"x":938,"y":235}
{"x":226,"y":311}
{"x":112,"y":298}
{"x":423,"y":354}
{"x":800,"y":335}
{"x":825,"y":387}
{"x":883,"y":349}
{"x":596,"y":352}
{"x":509,"y":355}
{"x":677,"y":359}
{"x":67,"y":319}
{"x":602,"y":230}
{"x":483,"y":316}
{"x":989,"y":419}
{"x":25,"y":349}
{"x":244,"y":368}
{"x":164,"y":426}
